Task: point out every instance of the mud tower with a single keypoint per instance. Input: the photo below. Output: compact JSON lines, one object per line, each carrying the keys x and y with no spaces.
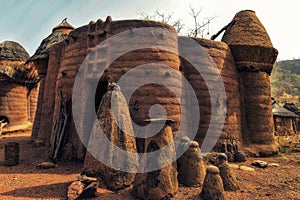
{"x":254,"y":55}
{"x":40,"y":60}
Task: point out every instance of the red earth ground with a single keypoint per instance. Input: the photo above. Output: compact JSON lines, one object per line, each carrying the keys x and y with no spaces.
{"x":25,"y":181}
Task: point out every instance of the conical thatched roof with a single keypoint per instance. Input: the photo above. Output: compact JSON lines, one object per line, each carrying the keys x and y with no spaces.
{"x":44,"y":49}
{"x":246,"y":29}
{"x":63,"y":25}
{"x":55,"y":37}
{"x":250,"y":43}
{"x":12,"y":59}
{"x":281,"y":111}
{"x":10,"y":50}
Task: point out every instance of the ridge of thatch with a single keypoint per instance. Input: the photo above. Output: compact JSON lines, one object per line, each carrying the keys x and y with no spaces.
{"x":10,"y":50}
{"x":281,"y":111}
{"x":44,"y":49}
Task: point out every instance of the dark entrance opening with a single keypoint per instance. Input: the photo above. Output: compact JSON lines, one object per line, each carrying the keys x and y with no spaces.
{"x":4,"y":119}
{"x":100,"y":91}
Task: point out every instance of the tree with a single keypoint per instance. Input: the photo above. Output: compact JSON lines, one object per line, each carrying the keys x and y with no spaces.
{"x":163,"y":17}
{"x":199,"y":29}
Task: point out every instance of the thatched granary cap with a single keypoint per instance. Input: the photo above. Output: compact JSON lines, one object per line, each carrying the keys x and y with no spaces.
{"x":64,"y":25}
{"x":250,"y":43}
{"x":10,"y":50}
{"x":246,"y":29}
{"x":55,"y":37}
{"x":281,"y":111}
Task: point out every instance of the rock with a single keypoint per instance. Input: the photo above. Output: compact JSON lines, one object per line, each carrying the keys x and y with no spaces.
{"x":260,"y":163}
{"x":229,"y":180}
{"x":248,"y":169}
{"x":82,"y":190}
{"x":213,"y":185}
{"x":239,"y":157}
{"x":190,"y":165}
{"x":46,"y":165}
{"x":273,"y":165}
{"x":233,"y":166}
{"x":163,"y":182}
{"x":75,"y":189}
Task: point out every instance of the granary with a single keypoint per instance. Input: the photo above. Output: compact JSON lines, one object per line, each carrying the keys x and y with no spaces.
{"x":18,"y":94}
{"x":40,"y":60}
{"x":244,"y":58}
{"x":285,"y":121}
{"x":293,"y":108}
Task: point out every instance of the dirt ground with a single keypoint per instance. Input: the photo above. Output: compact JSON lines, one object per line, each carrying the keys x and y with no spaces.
{"x":25,"y":181}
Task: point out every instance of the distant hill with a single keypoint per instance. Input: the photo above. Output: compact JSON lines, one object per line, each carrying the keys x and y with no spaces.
{"x":285,"y":81}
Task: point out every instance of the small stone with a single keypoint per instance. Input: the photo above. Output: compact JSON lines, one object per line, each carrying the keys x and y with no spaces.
{"x":233,"y":166}
{"x":248,"y":169}
{"x":240,"y":157}
{"x":46,"y":165}
{"x":273,"y":165}
{"x":260,"y":163}
{"x":75,"y":189}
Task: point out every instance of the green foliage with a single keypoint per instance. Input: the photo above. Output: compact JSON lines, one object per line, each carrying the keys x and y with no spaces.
{"x":285,"y":81}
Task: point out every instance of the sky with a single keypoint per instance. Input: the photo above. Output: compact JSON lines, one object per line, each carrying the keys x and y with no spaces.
{"x":29,"y":22}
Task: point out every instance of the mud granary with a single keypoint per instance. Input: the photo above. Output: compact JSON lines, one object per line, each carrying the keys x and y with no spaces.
{"x":244,"y":58}
{"x":18,"y":94}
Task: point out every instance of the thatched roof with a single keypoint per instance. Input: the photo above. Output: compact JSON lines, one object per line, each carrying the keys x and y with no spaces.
{"x":246,"y":29}
{"x":55,"y":37}
{"x":63,"y":25}
{"x":292,"y":107}
{"x":250,"y":43}
{"x":20,"y":73}
{"x":281,"y":111}
{"x":44,"y":49}
{"x":10,"y":50}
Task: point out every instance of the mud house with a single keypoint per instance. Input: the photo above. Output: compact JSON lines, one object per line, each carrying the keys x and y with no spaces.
{"x":293,"y":108}
{"x":18,"y":94}
{"x":285,"y":121}
{"x":244,"y":58}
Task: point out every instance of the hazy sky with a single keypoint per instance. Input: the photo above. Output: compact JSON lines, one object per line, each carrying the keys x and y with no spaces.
{"x":30,"y":21}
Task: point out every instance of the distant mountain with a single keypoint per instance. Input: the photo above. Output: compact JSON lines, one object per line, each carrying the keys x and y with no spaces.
{"x":285,"y":81}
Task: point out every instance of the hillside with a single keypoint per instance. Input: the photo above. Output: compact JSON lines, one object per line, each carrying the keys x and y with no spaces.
{"x":285,"y":81}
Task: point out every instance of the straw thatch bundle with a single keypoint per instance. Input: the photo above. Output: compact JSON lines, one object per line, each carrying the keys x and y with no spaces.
{"x":250,"y":43}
